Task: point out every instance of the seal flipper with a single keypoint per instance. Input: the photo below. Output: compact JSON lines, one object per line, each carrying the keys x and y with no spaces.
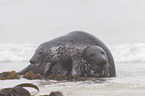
{"x":34,"y":68}
{"x":62,"y":68}
{"x":27,"y":69}
{"x":47,"y":67}
{"x":76,"y":65}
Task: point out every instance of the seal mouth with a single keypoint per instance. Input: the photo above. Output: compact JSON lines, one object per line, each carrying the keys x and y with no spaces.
{"x":38,"y":64}
{"x":100,"y":71}
{"x":99,"y":74}
{"x":103,"y":68}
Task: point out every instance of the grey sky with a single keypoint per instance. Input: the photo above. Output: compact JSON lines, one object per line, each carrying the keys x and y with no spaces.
{"x":35,"y":21}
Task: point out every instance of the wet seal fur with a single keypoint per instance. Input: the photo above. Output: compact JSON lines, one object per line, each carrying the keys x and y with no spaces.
{"x":75,"y":47}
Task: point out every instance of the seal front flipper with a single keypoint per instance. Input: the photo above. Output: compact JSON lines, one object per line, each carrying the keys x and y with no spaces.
{"x":27,"y":69}
{"x":76,"y":66}
{"x":61,"y":68}
{"x":34,"y":68}
{"x":47,"y":67}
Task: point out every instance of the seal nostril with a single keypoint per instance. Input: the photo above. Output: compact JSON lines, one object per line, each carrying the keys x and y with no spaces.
{"x":32,"y":62}
{"x":102,"y":65}
{"x":104,"y":62}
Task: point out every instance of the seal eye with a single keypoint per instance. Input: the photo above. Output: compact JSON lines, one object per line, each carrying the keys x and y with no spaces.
{"x":102,"y":53}
{"x":92,"y":55}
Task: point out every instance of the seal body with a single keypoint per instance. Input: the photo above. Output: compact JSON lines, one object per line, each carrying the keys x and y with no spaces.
{"x":71,"y":48}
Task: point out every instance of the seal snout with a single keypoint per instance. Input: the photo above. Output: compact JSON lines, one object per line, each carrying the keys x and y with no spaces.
{"x":102,"y":62}
{"x":34,"y":59}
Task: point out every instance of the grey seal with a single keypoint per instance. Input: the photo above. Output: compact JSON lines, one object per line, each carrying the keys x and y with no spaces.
{"x":71,"y":47}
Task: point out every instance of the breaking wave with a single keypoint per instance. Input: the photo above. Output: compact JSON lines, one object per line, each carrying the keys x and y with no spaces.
{"x":128,"y":52}
{"x":121,"y":53}
{"x":16,"y":52}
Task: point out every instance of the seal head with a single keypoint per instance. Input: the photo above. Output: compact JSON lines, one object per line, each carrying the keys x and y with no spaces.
{"x":95,"y":63}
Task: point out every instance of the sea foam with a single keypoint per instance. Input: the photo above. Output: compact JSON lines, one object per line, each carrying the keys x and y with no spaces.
{"x":121,"y":52}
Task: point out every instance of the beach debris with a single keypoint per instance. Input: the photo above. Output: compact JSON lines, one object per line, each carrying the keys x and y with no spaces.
{"x":9,"y":75}
{"x":18,"y":90}
{"x":56,"y":93}
{"x":71,"y":78}
{"x":30,"y":75}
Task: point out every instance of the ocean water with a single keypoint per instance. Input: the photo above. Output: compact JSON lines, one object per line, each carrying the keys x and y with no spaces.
{"x":130,"y":67}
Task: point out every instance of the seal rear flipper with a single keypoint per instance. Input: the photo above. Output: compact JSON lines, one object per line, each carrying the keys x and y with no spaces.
{"x":62,"y":68}
{"x":59,"y":70}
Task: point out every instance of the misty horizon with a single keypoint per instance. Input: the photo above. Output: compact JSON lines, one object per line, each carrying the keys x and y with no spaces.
{"x":37,"y":21}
